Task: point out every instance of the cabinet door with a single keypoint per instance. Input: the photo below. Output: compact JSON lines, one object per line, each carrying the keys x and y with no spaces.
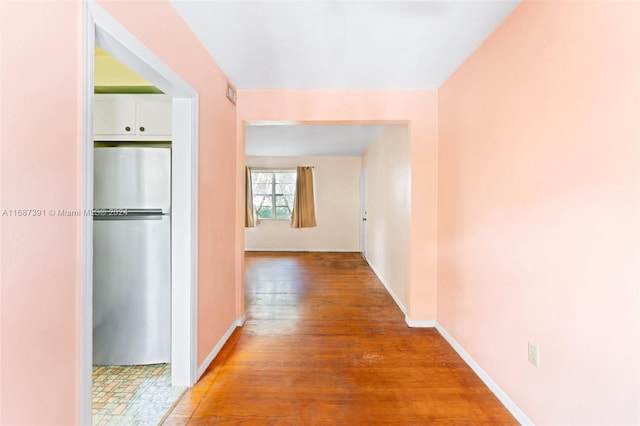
{"x":114,"y":116}
{"x":154,"y":116}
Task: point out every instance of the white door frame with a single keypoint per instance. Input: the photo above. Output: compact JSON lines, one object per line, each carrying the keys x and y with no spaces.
{"x":99,"y":28}
{"x":363,"y":212}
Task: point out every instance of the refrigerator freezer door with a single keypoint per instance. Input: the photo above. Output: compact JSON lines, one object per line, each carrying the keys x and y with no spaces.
{"x":132,"y":177}
{"x":132,"y":291}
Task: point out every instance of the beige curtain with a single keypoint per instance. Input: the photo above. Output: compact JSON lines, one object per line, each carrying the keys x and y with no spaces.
{"x":249,"y":210}
{"x":304,"y":211}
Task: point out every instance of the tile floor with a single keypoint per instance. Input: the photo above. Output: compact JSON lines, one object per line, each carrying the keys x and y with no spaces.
{"x":132,"y":394}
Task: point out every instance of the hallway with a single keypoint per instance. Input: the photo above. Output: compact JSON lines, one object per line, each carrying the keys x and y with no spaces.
{"x":324,"y":343}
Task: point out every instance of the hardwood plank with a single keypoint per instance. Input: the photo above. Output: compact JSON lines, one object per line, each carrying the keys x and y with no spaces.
{"x":324,"y":343}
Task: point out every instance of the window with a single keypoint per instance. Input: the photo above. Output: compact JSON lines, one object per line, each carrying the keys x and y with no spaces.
{"x":273,"y":193}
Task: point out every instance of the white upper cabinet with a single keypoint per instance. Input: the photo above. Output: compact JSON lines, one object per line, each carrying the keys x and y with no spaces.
{"x":132,"y":117}
{"x":154,"y":116}
{"x":114,"y":115}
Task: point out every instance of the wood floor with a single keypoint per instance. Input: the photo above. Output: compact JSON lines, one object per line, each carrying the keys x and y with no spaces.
{"x":324,"y":343}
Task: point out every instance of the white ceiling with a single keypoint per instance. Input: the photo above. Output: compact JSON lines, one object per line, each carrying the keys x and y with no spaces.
{"x":337,"y":44}
{"x":341,"y":44}
{"x":282,"y":140}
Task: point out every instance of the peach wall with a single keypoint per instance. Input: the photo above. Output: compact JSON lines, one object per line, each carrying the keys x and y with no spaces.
{"x":40,"y":134}
{"x":389,"y":209}
{"x":539,"y":207}
{"x":417,"y":108}
{"x":158,"y":25}
{"x":337,"y":201}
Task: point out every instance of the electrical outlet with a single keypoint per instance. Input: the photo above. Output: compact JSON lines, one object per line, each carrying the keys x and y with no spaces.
{"x":533,"y":354}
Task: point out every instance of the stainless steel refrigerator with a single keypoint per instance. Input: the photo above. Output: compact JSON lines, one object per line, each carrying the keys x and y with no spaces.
{"x":132,"y":256}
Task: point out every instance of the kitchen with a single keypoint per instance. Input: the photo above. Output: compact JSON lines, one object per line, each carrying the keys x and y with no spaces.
{"x":131,"y":247}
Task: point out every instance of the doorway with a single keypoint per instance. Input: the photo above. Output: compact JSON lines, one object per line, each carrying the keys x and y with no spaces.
{"x":380,"y":186}
{"x":131,"y":254}
{"x":100,"y":29}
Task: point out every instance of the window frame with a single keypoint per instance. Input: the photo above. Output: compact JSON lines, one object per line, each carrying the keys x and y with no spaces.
{"x":273,"y":194}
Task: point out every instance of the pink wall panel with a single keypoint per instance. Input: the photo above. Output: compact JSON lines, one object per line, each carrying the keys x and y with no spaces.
{"x":39,"y":169}
{"x":539,"y":207}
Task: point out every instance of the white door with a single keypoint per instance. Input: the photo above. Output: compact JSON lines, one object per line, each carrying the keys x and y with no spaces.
{"x":363,"y":213}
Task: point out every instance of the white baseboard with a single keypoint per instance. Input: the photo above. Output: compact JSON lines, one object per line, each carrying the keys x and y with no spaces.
{"x":420,"y":323}
{"x":328,"y":250}
{"x":520,"y":416}
{"x":216,"y":349}
{"x":389,"y":290}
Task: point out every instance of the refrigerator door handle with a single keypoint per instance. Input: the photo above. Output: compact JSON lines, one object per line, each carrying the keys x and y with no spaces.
{"x":127,"y":214}
{"x":143,"y":212}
